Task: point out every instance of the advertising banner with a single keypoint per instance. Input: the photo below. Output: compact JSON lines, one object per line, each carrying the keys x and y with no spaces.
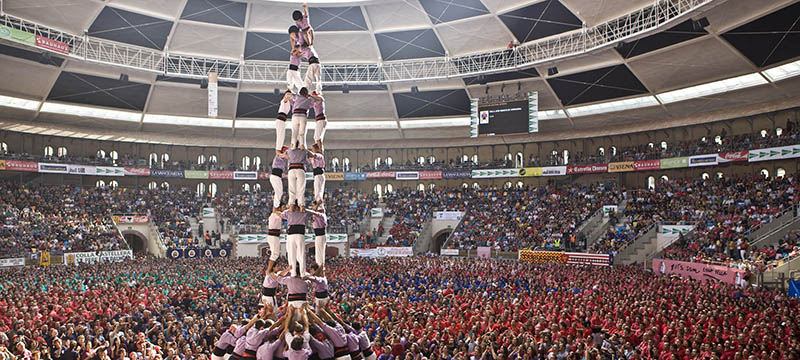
{"x":449,"y":252}
{"x":166,"y":173}
{"x":195,"y":174}
{"x":355,"y":176}
{"x":50,"y":44}
{"x":114,"y":256}
{"x":131,"y":219}
{"x":16,"y":165}
{"x":309,"y":238}
{"x":53,"y":168}
{"x":137,"y":171}
{"x":376,"y":213}
{"x":245,"y":175}
{"x":223,"y":175}
{"x":334,"y":176}
{"x":265,"y":175}
{"x":447,"y":215}
{"x":192,"y":253}
{"x":791,"y":151}
{"x":380,"y":175}
{"x":495,"y":173}
{"x":209,"y":212}
{"x":668,"y":233}
{"x":456,"y":174}
{"x":554,"y":171}
{"x":698,"y":271}
{"x":484,"y":252}
{"x":81,"y":169}
{"x":110,"y":171}
{"x":430,"y":175}
{"x":587,"y":169}
{"x":674,"y":163}
{"x":623,"y":166}
{"x":407,"y":175}
{"x":382,"y":252}
{"x":647,"y":165}
{"x":732,"y":156}
{"x":776,"y":153}
{"x":589,"y":259}
{"x":530,"y":171}
{"x":703,"y":160}
{"x":19,"y":36}
{"x":607,"y":209}
{"x":12,"y":262}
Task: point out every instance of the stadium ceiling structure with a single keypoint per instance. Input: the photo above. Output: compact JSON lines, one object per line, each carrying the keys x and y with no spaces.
{"x":642,"y":60}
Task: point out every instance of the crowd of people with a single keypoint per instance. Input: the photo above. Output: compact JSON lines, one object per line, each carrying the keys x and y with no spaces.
{"x":723,"y":212}
{"x":180,"y":310}
{"x":411,"y":209}
{"x":58,"y":219}
{"x":545,"y":217}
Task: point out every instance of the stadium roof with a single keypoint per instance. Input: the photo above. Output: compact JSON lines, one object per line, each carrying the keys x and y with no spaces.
{"x":670,"y":74}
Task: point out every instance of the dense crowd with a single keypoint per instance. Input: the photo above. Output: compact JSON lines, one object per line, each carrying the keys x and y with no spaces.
{"x":412,"y":308}
{"x":411,"y":209}
{"x":535,"y":217}
{"x":58,"y":219}
{"x":723,"y":211}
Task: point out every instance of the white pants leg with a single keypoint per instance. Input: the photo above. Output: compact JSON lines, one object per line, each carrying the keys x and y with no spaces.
{"x":320,"y":242}
{"x":293,"y":80}
{"x":291,"y":251}
{"x":277,"y":191}
{"x":319,"y":187}
{"x":319,"y":130}
{"x":320,"y":303}
{"x":215,"y":357}
{"x":298,"y":130}
{"x":269,"y":300}
{"x":274,"y":247}
{"x":280,"y":133}
{"x":313,"y":76}
{"x":370,"y":357}
{"x":297,"y":186}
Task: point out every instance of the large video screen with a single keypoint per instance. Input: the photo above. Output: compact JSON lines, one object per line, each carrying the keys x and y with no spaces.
{"x":503,"y":118}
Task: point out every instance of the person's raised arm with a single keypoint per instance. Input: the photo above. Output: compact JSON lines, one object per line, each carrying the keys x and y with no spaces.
{"x":314,"y":318}
{"x":305,"y":319}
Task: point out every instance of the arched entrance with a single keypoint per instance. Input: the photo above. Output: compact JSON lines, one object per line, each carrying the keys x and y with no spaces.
{"x":439,"y":238}
{"x":136,"y":241}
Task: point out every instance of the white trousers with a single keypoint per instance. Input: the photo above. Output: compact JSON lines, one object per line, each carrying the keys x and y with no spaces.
{"x":370,"y":357}
{"x":297,"y":186}
{"x":298,"y":131}
{"x":274,"y":247}
{"x":319,"y":187}
{"x":319,"y":130}
{"x":215,"y":357}
{"x":277,"y":191}
{"x":320,"y":303}
{"x":313,"y":76}
{"x":293,"y":81}
{"x":320,"y":242}
{"x":269,"y":300}
{"x":296,"y":252}
{"x":280,"y":131}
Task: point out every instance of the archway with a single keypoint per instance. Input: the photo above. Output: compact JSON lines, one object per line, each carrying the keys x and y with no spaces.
{"x":136,"y":241}
{"x":439,"y":238}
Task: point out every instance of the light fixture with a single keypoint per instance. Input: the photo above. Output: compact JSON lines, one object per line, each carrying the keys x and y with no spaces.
{"x":86,"y":111}
{"x":712,"y":88}
{"x":784,"y":71}
{"x":186,"y":121}
{"x":612,"y":106}
{"x":19,"y":103}
{"x":434,"y":123}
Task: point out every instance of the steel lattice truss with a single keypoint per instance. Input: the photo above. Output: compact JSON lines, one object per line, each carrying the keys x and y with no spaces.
{"x":634,"y":25}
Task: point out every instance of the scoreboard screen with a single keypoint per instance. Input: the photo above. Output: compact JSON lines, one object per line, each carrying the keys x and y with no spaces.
{"x":503,"y":118}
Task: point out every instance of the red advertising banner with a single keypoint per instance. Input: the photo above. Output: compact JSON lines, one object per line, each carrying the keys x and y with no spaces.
{"x":137,"y":171}
{"x":382,"y":175}
{"x":587,"y":169}
{"x":131,"y":219}
{"x":647,"y":165}
{"x":698,"y":271}
{"x":733,"y":156}
{"x":53,"y":45}
{"x":225,"y":175}
{"x":423,"y":175}
{"x":16,"y":165}
{"x":263,"y":175}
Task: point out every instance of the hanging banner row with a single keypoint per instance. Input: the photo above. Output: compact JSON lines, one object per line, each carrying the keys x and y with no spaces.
{"x":775,"y":153}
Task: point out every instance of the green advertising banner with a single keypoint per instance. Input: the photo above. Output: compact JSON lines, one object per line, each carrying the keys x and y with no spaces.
{"x":674,"y":163}
{"x":19,"y":36}
{"x":195,"y":174}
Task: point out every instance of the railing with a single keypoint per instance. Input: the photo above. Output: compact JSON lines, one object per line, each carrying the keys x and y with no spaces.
{"x":629,"y":248}
{"x":119,"y":232}
{"x":455,"y":228}
{"x":636,"y":24}
{"x":762,"y":229}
